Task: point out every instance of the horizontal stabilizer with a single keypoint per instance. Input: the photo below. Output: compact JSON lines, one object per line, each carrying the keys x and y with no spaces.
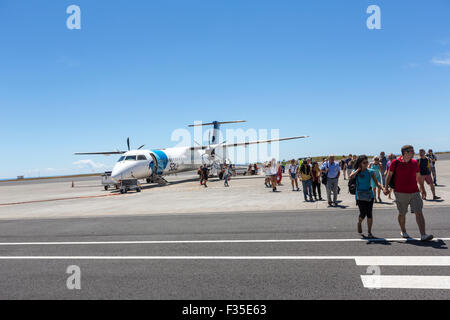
{"x":215,"y":123}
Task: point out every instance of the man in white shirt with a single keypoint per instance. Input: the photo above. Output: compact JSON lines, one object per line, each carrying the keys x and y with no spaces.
{"x":333,"y":171}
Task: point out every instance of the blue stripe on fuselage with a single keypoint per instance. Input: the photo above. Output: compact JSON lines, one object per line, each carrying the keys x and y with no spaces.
{"x":161,"y":156}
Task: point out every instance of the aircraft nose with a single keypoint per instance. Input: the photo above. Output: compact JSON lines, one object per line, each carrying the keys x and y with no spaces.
{"x":115,"y":175}
{"x":121,"y":172}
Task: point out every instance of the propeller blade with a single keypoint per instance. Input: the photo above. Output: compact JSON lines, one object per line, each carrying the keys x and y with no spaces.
{"x":141,"y":147}
{"x":128,"y":143}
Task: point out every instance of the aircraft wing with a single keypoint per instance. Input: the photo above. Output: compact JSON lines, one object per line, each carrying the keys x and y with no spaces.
{"x":232,"y":145}
{"x":107,"y":153}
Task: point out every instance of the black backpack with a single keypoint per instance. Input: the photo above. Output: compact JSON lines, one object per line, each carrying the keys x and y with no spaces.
{"x":324,"y":176}
{"x":392,"y":181}
{"x":352,"y":185}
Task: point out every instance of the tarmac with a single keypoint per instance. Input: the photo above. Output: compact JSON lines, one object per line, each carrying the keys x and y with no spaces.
{"x":183,"y":195}
{"x":307,"y":254}
{"x":184,"y":241}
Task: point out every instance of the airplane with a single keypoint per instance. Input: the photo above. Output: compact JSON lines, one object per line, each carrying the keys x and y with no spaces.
{"x":152,"y":165}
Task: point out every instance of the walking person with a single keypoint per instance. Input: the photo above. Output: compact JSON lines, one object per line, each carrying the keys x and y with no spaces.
{"x":293,"y":170}
{"x":425,"y":175}
{"x":279,"y":174}
{"x":315,"y":173}
{"x":200,"y":174}
{"x":383,"y":161}
{"x":433,"y":160}
{"x":306,"y":176}
{"x":273,"y":174}
{"x":376,"y":168}
{"x":364,"y":192}
{"x":205,"y":174}
{"x":267,"y":181}
{"x":343,"y":166}
{"x":226,"y":175}
{"x":332,"y":171}
{"x":405,"y":171}
{"x":349,"y":165}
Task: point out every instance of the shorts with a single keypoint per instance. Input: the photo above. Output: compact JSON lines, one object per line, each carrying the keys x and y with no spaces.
{"x":293,"y":176}
{"x":365,"y":208}
{"x":408,"y":199}
{"x":426,"y":178}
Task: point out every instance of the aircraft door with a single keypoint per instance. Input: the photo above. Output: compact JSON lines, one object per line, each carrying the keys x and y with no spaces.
{"x":161,"y":161}
{"x":153,"y":164}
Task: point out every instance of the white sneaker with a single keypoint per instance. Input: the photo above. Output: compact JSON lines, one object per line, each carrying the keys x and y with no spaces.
{"x":404,"y":235}
{"x":426,"y":237}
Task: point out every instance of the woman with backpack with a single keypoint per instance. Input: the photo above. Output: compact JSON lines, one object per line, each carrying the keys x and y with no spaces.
{"x":306,"y":175}
{"x":364,"y":194}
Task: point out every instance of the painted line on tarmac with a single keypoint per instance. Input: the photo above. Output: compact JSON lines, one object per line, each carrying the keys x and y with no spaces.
{"x":175,"y":258}
{"x":403,"y":261}
{"x":59,"y":199}
{"x":360,"y":260}
{"x":405,"y":282}
{"x":208,"y":241}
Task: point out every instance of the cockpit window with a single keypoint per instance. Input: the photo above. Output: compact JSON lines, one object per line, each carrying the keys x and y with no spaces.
{"x":142,"y":157}
{"x":121,"y":159}
{"x":130,"y":158}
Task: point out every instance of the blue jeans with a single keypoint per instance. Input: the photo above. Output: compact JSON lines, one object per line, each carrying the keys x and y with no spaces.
{"x":433,"y":172}
{"x":307,"y":188}
{"x":225,"y":180}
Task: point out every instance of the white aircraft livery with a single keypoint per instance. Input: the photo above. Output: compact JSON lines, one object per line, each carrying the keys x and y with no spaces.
{"x":152,"y":165}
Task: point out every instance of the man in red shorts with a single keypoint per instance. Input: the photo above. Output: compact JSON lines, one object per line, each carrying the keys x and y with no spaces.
{"x":405,"y":172}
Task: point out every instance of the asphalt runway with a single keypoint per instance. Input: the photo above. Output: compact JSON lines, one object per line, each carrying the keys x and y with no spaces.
{"x":307,"y":254}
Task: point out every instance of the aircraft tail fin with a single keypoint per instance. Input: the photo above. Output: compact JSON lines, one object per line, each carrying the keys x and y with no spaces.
{"x":216,"y":128}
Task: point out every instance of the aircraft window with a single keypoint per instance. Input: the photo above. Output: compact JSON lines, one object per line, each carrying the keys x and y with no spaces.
{"x":142,"y":157}
{"x":121,"y":159}
{"x":132,"y":158}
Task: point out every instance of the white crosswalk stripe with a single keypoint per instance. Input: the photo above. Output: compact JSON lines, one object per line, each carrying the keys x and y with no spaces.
{"x":405,"y":282}
{"x":378,"y":281}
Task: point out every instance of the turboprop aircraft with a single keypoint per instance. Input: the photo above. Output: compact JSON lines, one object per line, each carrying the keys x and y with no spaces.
{"x":152,"y":165}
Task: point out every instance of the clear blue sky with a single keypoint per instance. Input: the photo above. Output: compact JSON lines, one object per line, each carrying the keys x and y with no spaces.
{"x":144,"y":68}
